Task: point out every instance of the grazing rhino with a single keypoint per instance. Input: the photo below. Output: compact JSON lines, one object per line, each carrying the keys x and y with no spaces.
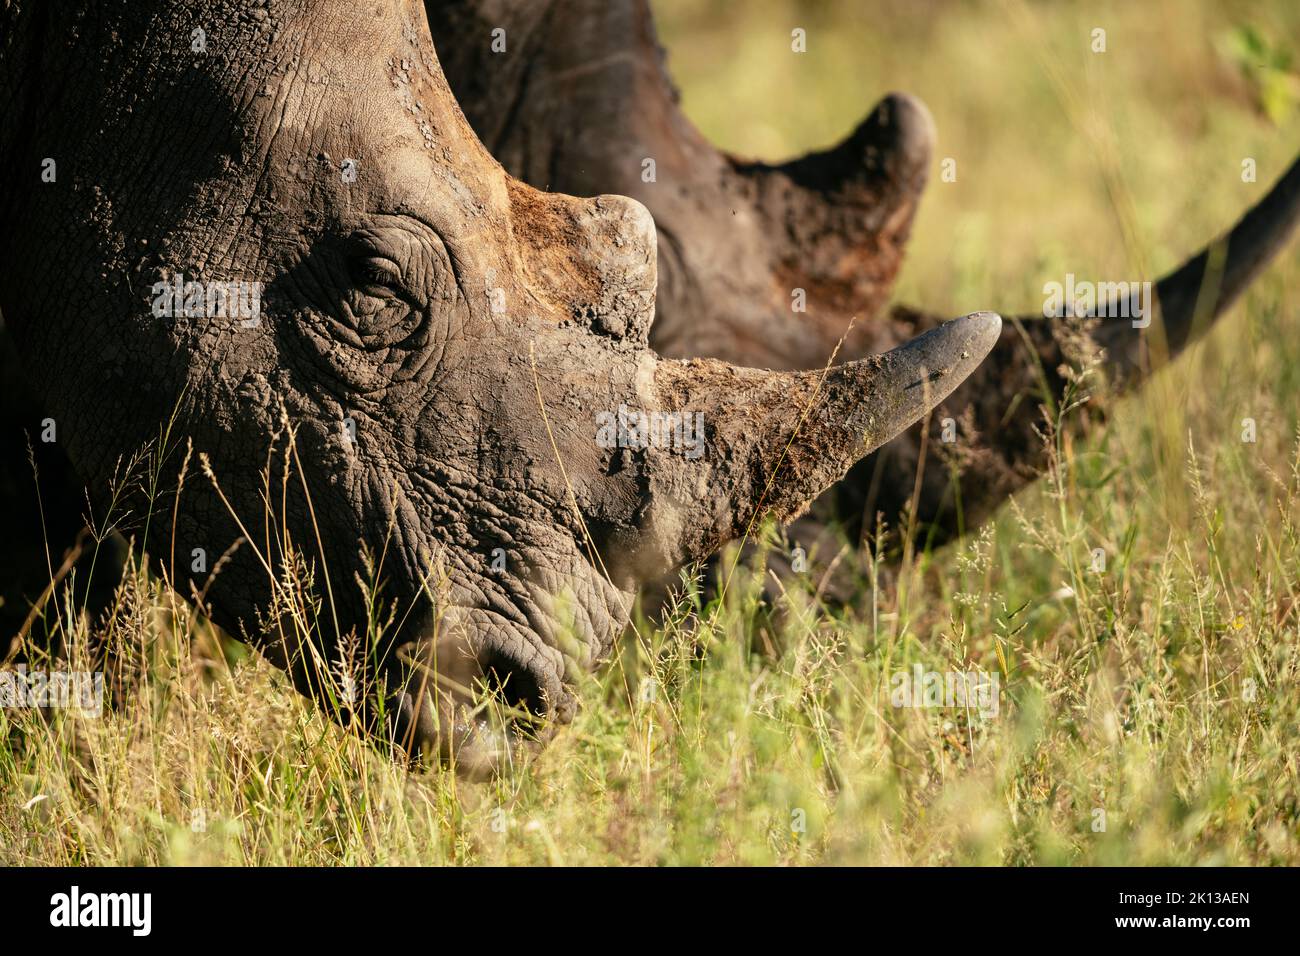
{"x":262,"y":231}
{"x":573,"y":95}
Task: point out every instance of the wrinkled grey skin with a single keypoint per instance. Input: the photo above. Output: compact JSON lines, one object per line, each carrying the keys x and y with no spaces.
{"x":435,"y":336}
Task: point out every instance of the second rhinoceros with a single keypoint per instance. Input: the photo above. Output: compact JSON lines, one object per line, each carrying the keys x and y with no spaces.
{"x":574,"y":95}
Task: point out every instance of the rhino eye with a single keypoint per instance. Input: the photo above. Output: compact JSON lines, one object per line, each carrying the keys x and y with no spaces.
{"x":377,"y":299}
{"x":376,"y":276}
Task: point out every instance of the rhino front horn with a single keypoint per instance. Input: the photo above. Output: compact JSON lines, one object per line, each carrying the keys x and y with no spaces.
{"x":776,"y":440}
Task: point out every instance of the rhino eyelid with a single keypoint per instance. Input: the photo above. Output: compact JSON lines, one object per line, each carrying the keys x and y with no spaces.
{"x":375,"y":270}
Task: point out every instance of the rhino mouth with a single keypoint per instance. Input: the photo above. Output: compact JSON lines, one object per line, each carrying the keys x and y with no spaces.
{"x":514,"y":687}
{"x":478,"y":711}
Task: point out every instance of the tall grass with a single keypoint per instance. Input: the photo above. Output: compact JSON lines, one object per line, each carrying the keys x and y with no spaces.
{"x":1148,"y":713}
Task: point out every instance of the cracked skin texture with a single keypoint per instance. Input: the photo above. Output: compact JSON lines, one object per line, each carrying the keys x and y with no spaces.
{"x":435,"y":338}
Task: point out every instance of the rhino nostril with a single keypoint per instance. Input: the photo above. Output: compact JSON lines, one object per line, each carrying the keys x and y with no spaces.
{"x":516,"y":689}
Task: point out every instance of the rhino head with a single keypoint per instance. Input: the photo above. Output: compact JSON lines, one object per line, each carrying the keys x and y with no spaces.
{"x":738,"y":238}
{"x":268,"y":236}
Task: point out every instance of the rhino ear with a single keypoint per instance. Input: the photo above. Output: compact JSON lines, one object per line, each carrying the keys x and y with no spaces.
{"x":773,"y":441}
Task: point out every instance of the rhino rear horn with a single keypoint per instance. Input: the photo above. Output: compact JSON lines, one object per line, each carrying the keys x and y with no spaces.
{"x":841,"y":218}
{"x":887,"y":157}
